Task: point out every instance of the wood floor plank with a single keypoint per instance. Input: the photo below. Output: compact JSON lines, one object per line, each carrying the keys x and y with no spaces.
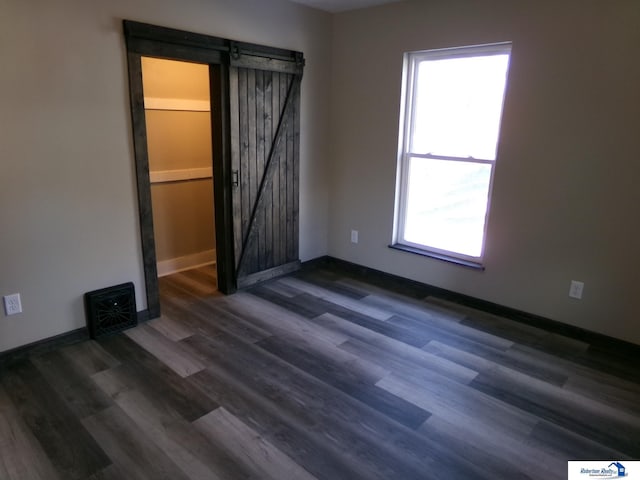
{"x":191,"y":316}
{"x":278,"y":321}
{"x":347,"y":377}
{"x":401,"y":297}
{"x":205,"y":316}
{"x":171,"y":328}
{"x":572,"y":366}
{"x":621,"y":394}
{"x":602,"y":423}
{"x":375,"y":283}
{"x":179,"y":440}
{"x":167,"y":428}
{"x":76,"y":388}
{"x":615,"y":361}
{"x":495,"y":324}
{"x":72,"y":451}
{"x":330,"y":281}
{"x":595,"y":384}
{"x":429,"y":319}
{"x":303,"y":305}
{"x":415,"y":309}
{"x":178,"y":359}
{"x":21,"y":456}
{"x":114,"y":382}
{"x":141,"y":370}
{"x":312,"y":307}
{"x":391,"y":353}
{"x":89,"y":357}
{"x":112,"y":472}
{"x":518,"y":332}
{"x":468,"y":338}
{"x":249,"y":447}
{"x":314,"y":340}
{"x":191,"y":281}
{"x":461,"y":405}
{"x":214,"y":313}
{"x":206,"y":276}
{"x":565,"y":444}
{"x":130,"y":448}
{"x":487,"y":360}
{"x":496,"y":455}
{"x":335,"y":298}
{"x":171,"y":288}
{"x":283,"y":290}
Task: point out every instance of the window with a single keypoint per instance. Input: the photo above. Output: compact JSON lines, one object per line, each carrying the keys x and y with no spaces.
{"x":452,"y":102}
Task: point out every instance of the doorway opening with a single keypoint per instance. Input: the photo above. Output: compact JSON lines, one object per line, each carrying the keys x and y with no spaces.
{"x":178,"y":119}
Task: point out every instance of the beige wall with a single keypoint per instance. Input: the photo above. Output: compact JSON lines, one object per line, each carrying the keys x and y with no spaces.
{"x":183,"y":218}
{"x":178,"y":139}
{"x":566,"y":200}
{"x":162,"y":78}
{"x":68,"y":209}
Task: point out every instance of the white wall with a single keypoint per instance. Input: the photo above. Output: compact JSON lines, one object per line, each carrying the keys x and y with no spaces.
{"x":566,"y":199}
{"x":68,"y":211}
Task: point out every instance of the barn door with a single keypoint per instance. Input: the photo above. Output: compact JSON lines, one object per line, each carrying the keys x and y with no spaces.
{"x":265,"y":131}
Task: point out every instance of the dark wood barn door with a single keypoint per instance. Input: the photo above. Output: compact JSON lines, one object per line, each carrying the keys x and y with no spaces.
{"x":265,"y":131}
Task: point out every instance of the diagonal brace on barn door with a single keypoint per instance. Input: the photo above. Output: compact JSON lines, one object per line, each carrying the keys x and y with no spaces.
{"x":272,"y":165}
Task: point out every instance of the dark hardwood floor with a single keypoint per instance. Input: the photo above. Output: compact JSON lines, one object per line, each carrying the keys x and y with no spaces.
{"x":316,"y":375}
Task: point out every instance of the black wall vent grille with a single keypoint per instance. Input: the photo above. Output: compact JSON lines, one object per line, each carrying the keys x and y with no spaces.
{"x":110,"y":310}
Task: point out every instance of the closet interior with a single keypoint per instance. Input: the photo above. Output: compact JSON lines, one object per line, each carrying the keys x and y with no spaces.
{"x":178,"y":124}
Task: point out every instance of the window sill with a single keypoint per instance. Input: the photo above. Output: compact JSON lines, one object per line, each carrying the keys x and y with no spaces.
{"x":437,"y":256}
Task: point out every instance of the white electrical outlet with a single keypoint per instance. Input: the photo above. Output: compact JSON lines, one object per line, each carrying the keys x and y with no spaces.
{"x":12,"y":304}
{"x":354,"y":236}
{"x":575,"y":290}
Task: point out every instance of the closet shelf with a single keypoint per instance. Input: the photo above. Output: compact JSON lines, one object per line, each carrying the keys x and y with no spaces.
{"x":180,"y":175}
{"x":176,"y":104}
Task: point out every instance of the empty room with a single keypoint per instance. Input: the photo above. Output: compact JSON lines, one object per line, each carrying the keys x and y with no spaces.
{"x":319,"y":239}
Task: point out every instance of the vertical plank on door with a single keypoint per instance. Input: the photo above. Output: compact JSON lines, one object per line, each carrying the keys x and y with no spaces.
{"x":290,"y":193}
{"x":234,"y":96}
{"x":268,"y":136}
{"x":295,"y":229}
{"x":255,"y":176}
{"x":282,"y":232}
{"x":245,"y":178}
{"x":275,"y":213}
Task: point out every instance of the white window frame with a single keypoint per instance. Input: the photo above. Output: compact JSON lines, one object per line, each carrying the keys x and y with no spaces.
{"x":407,"y":125}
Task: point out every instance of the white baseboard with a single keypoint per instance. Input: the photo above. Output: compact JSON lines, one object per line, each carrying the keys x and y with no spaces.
{"x":178,"y":264}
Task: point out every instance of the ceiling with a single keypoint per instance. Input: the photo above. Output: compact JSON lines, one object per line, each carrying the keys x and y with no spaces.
{"x":335,"y":6}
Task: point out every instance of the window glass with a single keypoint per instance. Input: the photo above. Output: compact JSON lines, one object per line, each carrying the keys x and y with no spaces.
{"x":454,"y":101}
{"x":447,"y":205}
{"x":457,"y":105}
